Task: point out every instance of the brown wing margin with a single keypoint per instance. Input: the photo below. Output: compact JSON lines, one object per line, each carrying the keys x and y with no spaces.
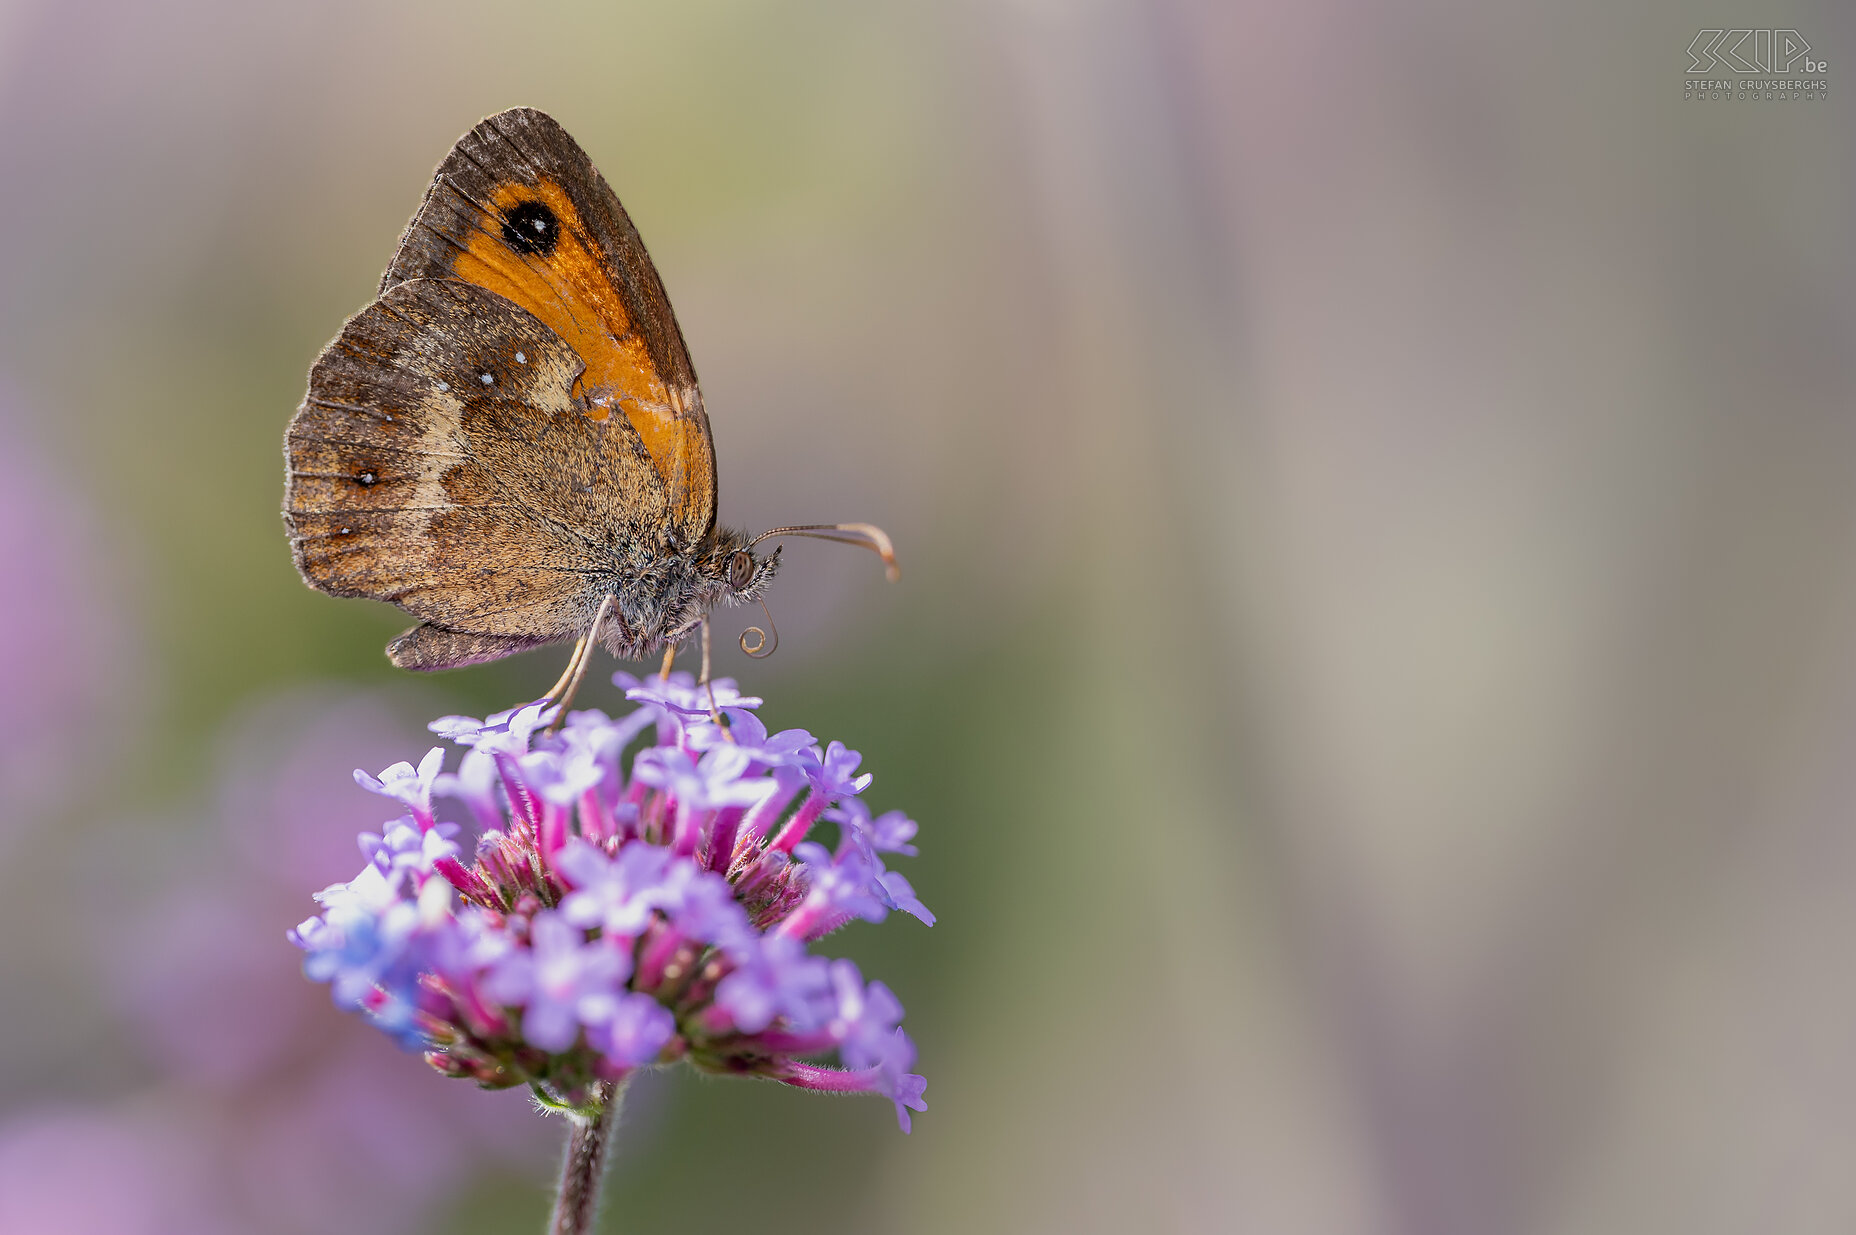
{"x":518,"y":208}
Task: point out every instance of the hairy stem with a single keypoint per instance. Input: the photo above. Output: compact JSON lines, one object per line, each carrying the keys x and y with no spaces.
{"x":576,"y":1204}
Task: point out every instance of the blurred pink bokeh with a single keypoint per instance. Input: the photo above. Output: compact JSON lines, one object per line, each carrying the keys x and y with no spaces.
{"x":262,"y":1107}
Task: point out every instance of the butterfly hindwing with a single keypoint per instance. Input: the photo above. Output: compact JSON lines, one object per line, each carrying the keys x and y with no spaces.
{"x":426,"y":646}
{"x":517,"y":208}
{"x":413,"y":466}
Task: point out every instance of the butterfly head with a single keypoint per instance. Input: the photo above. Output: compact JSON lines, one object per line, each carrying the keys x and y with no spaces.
{"x":731,"y":572}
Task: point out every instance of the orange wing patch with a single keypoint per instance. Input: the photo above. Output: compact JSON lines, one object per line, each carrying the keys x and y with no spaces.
{"x":518,"y":209}
{"x":566,"y":287}
{"x":550,"y":267}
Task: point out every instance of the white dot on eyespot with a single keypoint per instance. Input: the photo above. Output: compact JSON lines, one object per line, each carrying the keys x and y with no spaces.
{"x":488,"y":380}
{"x":521,"y":359}
{"x":444,"y":385}
{"x":541,"y":225}
{"x":343,"y":532}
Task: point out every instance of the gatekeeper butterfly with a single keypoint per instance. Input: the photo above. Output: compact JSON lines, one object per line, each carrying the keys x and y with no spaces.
{"x":509,"y":444}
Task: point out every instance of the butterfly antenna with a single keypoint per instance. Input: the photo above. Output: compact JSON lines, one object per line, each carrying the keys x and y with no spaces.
{"x":868,"y":535}
{"x":766,"y":642}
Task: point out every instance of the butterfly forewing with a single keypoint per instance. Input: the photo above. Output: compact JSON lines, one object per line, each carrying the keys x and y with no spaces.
{"x":518,"y":208}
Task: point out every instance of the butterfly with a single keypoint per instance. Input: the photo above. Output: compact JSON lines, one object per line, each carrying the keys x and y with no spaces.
{"x":509,"y":443}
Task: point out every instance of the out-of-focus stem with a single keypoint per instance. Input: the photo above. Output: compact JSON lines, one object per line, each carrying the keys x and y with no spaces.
{"x":576,"y":1205}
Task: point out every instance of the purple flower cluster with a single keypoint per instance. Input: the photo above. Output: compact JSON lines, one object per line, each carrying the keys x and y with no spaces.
{"x":613,"y":922}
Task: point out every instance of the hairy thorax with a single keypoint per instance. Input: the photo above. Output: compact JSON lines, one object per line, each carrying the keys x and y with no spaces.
{"x":661,"y":592}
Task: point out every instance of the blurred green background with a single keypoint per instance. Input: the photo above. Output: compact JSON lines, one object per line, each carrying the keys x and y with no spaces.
{"x":1375,"y":663}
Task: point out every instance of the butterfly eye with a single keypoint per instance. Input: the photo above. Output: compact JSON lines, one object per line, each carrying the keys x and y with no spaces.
{"x":740,"y":569}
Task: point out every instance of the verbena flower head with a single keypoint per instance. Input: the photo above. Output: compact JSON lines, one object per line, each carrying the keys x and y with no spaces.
{"x":617,"y":918}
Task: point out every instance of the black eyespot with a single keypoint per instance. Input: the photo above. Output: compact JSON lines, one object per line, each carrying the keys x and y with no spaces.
{"x":366,"y":478}
{"x":531,"y":228}
{"x":740,"y":569}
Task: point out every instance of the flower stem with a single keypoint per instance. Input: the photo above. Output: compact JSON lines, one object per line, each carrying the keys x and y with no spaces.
{"x":576,"y":1206}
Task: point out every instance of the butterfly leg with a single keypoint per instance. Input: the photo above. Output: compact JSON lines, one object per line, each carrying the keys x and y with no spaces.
{"x":670,"y":656}
{"x":715,"y":713}
{"x":567,"y":675}
{"x":565,"y":689}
